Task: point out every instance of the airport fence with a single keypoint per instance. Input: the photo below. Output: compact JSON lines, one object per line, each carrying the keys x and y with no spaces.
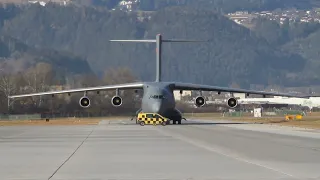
{"x":40,"y":116}
{"x":234,"y":114}
{"x":20,"y":117}
{"x":289,"y":112}
{"x":82,"y":114}
{"x":265,"y":113}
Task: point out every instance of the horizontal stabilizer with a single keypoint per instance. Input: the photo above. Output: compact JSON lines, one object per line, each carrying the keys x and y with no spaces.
{"x":158,"y":42}
{"x":182,"y":40}
{"x":154,"y":40}
{"x":145,"y":40}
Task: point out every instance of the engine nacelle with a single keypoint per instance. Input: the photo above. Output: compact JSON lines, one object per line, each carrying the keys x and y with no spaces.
{"x":200,"y":101}
{"x":116,"y":101}
{"x":232,"y":102}
{"x":84,"y":102}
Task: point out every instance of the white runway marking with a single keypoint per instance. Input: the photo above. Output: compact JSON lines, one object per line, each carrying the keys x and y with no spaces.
{"x":207,"y":147}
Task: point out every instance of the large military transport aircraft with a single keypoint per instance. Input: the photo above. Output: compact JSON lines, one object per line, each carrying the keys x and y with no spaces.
{"x":158,"y":95}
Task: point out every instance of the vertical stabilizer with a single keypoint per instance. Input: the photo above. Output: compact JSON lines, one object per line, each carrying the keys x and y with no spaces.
{"x":158,"y":42}
{"x":158,"y":54}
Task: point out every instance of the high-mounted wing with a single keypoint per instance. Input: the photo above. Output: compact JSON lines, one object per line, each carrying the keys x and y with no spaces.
{"x":188,"y":86}
{"x":97,"y":88}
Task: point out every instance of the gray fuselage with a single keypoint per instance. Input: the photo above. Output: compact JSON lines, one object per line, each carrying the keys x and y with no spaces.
{"x":159,"y":98}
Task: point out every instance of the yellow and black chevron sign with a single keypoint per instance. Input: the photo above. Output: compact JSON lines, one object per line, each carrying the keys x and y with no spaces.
{"x":151,"y":120}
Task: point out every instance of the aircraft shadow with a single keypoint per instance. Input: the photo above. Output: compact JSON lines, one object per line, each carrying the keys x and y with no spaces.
{"x":212,"y":123}
{"x":195,"y":123}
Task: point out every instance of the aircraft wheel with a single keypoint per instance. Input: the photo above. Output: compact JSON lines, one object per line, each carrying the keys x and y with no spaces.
{"x":164,"y":123}
{"x":174,"y":122}
{"x":142,"y":123}
{"x":179,"y":121}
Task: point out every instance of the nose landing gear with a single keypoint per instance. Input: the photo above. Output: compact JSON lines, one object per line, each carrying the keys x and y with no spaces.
{"x":176,"y":121}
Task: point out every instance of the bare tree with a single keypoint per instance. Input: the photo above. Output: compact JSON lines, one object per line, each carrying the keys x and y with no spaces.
{"x":7,"y":84}
{"x":7,"y":87}
{"x":89,"y":80}
{"x":39,"y":78}
{"x":10,"y":84}
{"x":118,"y":76}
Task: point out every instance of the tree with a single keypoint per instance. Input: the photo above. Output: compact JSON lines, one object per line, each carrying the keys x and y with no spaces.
{"x":39,"y":79}
{"x":84,"y":31}
{"x":146,"y":5}
{"x":118,"y":76}
{"x":10,"y":84}
{"x":87,"y":80}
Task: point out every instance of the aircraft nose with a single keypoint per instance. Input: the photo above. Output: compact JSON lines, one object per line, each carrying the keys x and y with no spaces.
{"x":155,"y":107}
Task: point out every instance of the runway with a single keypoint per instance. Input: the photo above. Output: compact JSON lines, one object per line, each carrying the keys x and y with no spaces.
{"x":195,"y":150}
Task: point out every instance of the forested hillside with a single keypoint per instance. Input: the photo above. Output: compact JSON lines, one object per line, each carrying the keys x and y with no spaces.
{"x":16,"y":57}
{"x":301,"y":38}
{"x":252,"y":5}
{"x":45,"y":46}
{"x":224,"y":6}
{"x":25,"y":69}
{"x":234,"y":54}
{"x":308,"y":47}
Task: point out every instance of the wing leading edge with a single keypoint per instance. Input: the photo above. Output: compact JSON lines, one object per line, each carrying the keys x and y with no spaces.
{"x":188,"y":86}
{"x":97,"y":88}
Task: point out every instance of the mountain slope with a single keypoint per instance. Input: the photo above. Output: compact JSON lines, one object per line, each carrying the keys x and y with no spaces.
{"x":16,"y":57}
{"x":308,"y":48}
{"x":224,"y":6}
{"x":234,"y":54}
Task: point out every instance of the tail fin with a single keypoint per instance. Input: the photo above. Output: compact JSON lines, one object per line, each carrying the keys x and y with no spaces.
{"x":158,"y":42}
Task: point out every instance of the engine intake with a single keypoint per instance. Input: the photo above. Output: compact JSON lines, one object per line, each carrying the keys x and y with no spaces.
{"x":116,"y":101}
{"x":232,"y":102}
{"x":200,"y":101}
{"x":84,"y":102}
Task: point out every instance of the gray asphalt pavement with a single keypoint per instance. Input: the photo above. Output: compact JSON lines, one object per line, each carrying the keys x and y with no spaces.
{"x":195,"y":150}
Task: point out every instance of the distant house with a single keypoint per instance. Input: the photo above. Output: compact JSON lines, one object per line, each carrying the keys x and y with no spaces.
{"x":128,"y":5}
{"x":179,"y":96}
{"x":44,"y":2}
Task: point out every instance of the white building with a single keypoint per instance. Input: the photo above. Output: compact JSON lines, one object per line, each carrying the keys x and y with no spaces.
{"x":178,"y":96}
{"x":311,"y":102}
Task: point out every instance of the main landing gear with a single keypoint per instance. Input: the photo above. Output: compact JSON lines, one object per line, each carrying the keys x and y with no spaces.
{"x":178,"y":121}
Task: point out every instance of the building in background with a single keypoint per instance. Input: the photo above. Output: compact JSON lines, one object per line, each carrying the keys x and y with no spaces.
{"x":179,"y":97}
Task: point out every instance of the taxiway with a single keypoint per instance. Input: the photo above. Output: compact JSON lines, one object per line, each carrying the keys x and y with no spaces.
{"x":195,"y":150}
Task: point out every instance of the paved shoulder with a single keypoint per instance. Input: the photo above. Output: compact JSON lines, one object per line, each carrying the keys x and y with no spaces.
{"x":290,"y":152}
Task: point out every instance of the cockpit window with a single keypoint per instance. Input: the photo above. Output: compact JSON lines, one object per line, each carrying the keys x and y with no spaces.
{"x":157,"y":96}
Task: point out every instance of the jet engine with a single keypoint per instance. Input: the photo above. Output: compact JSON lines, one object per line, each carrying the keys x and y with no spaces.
{"x":116,"y":101}
{"x":84,"y":102}
{"x":200,"y":101}
{"x":232,"y":102}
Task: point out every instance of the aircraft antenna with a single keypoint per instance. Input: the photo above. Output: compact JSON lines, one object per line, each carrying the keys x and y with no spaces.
{"x":158,"y":42}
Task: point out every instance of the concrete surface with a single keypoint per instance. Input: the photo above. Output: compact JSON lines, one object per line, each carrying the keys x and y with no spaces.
{"x":219,"y":150}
